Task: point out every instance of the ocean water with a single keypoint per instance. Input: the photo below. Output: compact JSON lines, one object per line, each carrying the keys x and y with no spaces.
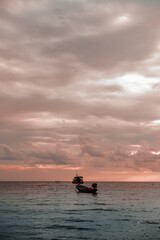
{"x":50,"y":210}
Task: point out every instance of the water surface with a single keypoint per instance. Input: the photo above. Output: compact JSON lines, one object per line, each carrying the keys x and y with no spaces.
{"x":50,"y":210}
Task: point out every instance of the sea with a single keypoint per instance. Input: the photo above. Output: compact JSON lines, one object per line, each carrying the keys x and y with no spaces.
{"x":54,"y":210}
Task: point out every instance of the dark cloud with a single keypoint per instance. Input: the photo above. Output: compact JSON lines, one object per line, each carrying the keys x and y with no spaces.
{"x":87,"y":147}
{"x":31,"y":154}
{"x":6,"y":153}
{"x":47,"y":155}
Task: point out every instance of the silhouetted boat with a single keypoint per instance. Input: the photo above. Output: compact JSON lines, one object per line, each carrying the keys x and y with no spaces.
{"x":84,"y":189}
{"x":77,"y":179}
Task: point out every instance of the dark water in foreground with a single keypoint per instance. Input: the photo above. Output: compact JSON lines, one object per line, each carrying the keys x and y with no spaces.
{"x":49,"y":210}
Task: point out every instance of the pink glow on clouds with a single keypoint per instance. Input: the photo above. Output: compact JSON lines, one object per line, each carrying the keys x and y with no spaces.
{"x":16,"y":173}
{"x":79,"y":90}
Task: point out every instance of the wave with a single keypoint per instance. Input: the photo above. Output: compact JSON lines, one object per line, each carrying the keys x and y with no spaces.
{"x":78,"y":220}
{"x":67,"y":227}
{"x":43,"y":204}
{"x":101,"y":204}
{"x":123,"y":220}
{"x":80,"y":204}
{"x":93,"y":210}
{"x":151,"y":222}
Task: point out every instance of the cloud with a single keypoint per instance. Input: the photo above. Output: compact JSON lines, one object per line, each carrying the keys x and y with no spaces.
{"x":44,"y":154}
{"x":111,"y":157}
{"x":6,"y":153}
{"x":83,"y":74}
{"x":32,"y":154}
{"x":88,"y":147}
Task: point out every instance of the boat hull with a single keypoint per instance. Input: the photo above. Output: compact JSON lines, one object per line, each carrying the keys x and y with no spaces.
{"x":83,"y":189}
{"x":87,"y":191}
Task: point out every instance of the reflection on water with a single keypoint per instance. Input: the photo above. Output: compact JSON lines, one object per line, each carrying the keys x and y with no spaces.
{"x":53,"y":210}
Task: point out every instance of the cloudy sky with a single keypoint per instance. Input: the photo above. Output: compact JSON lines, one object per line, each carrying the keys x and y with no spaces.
{"x":80,"y":89}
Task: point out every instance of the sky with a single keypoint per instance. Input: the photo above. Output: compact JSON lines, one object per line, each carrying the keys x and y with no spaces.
{"x":80,"y":90}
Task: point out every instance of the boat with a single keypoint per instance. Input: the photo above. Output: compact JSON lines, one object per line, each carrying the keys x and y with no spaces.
{"x":77,"y":179}
{"x":84,"y":189}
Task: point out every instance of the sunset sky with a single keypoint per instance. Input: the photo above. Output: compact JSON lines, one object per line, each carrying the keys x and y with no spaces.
{"x":80,"y":90}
